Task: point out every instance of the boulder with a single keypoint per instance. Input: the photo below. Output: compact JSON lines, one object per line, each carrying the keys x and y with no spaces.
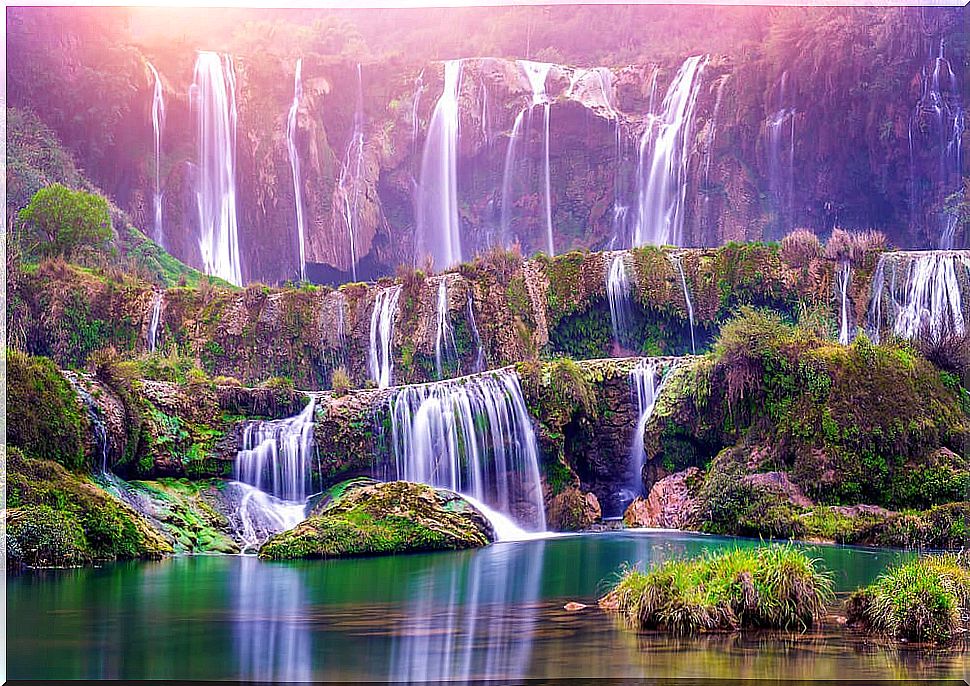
{"x":573,"y":510}
{"x":366,"y":517}
{"x":780,"y":484}
{"x":672,"y":503}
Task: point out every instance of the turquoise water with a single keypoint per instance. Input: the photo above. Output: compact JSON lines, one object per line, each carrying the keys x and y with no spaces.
{"x":490,"y":613}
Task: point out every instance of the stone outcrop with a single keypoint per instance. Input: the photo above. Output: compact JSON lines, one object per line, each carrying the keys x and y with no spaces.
{"x":671,"y":504}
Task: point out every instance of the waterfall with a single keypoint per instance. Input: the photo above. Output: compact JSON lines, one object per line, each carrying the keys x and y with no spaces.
{"x":291,"y":128}
{"x":349,"y":182}
{"x":438,"y":223}
{"x":480,"y":362}
{"x":618,"y":293}
{"x":158,"y":123}
{"x":843,"y":279}
{"x":95,"y":418}
{"x":781,"y":172}
{"x":153,"y":321}
{"x":444,"y":342}
{"x":259,"y":515}
{"x":333,"y":338}
{"x":917,"y":293}
{"x":472,"y":435}
{"x":508,"y":172}
{"x":536,"y":73}
{"x":663,"y":157}
{"x":687,"y":300}
{"x":213,"y":97}
{"x":277,"y":455}
{"x":939,"y":101}
{"x":645,"y":385}
{"x":381,"y":359}
{"x":415,"y":104}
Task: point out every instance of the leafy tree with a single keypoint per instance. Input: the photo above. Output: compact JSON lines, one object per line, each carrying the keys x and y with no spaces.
{"x":67,"y":220}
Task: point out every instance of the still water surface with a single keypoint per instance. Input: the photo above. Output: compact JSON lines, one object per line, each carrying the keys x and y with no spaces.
{"x":490,"y":613}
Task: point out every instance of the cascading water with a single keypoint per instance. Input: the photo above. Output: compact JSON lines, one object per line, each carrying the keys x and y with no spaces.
{"x":939,"y":117}
{"x":646,"y":382}
{"x":480,"y":362}
{"x":508,"y":173}
{"x":444,"y":342}
{"x":153,"y":321}
{"x":919,"y":293}
{"x":381,"y":358}
{"x":158,"y":124}
{"x":472,"y":435}
{"x":537,"y":72}
{"x":843,"y":279}
{"x":663,"y":156}
{"x":291,"y":129}
{"x":349,"y":182}
{"x":213,"y":98}
{"x":687,"y":301}
{"x":259,"y":515}
{"x":438,"y":223}
{"x":618,"y":293}
{"x":277,"y":455}
{"x":781,"y":171}
{"x":95,"y":418}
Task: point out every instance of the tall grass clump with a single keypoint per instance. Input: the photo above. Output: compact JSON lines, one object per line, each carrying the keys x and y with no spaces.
{"x":772,"y":586}
{"x":925,"y":599}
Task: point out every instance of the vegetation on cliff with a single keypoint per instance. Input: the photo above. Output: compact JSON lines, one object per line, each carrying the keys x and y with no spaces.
{"x":364,"y":517}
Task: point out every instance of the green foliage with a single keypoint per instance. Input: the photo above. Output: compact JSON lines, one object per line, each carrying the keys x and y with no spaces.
{"x":44,"y":418}
{"x":340,"y":381}
{"x":923,"y":599}
{"x":770,"y":586}
{"x":67,"y":220}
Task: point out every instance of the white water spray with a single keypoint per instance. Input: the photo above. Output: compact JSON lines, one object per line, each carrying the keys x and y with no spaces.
{"x":291,"y":129}
{"x":381,"y":358}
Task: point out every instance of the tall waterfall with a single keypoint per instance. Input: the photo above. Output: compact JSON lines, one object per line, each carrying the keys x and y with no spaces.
{"x":663,"y":156}
{"x":646,"y":383}
{"x":537,"y":72}
{"x":439,"y":226}
{"x":940,"y":114}
{"x":277,"y":455}
{"x":917,"y":293}
{"x":781,"y":163}
{"x":618,"y":293}
{"x":158,"y":124}
{"x":474,"y":436}
{"x":444,"y":341}
{"x":843,"y":280}
{"x":153,"y":321}
{"x":213,"y":98}
{"x":350,"y":181}
{"x":508,"y":172}
{"x":381,"y":357}
{"x":291,"y":129}
{"x":687,"y":301}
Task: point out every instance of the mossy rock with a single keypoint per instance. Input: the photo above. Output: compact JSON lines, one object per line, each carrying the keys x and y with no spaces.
{"x":365,"y":517}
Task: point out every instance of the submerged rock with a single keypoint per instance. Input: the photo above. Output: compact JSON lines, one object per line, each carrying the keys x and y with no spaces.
{"x":366,"y":517}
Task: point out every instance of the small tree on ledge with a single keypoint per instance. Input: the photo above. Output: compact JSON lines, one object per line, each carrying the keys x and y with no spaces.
{"x":67,"y":220}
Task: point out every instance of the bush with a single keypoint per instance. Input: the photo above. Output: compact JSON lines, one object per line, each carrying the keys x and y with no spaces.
{"x":770,"y":586}
{"x":800,"y":247}
{"x":67,"y":220}
{"x":924,"y":599}
{"x":844,"y":246}
{"x":340,"y":381}
{"x":40,"y":536}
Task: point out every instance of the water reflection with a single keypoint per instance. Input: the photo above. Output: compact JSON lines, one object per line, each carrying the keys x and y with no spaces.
{"x":475,"y":620}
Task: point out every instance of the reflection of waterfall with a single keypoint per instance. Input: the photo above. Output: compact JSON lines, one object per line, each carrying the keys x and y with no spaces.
{"x":153,"y":321}
{"x":474,"y":619}
{"x":350,"y":181}
{"x":213,"y":98}
{"x":843,"y":280}
{"x":687,"y":300}
{"x":291,"y":128}
{"x":381,"y":357}
{"x":277,"y":455}
{"x":939,"y":118}
{"x":781,"y":166}
{"x":270,"y":625}
{"x":618,"y":293}
{"x":917,"y":293}
{"x":438,"y":223}
{"x":445,"y":348}
{"x":663,"y":156}
{"x":472,"y":435}
{"x":158,"y":124}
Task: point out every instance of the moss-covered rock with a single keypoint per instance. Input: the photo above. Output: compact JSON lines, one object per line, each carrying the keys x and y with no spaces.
{"x":366,"y":517}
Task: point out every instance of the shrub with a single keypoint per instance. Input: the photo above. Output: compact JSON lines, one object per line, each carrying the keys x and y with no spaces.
{"x":924,"y":599}
{"x":844,"y":246}
{"x":800,"y":247}
{"x":771,"y":586}
{"x":340,"y":381}
{"x":40,"y":536}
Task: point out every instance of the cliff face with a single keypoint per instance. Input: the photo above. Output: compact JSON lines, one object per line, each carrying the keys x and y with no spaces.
{"x":761,"y":153}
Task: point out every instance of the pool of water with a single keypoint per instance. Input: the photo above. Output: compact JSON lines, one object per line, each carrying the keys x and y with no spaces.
{"x":490,"y":613}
